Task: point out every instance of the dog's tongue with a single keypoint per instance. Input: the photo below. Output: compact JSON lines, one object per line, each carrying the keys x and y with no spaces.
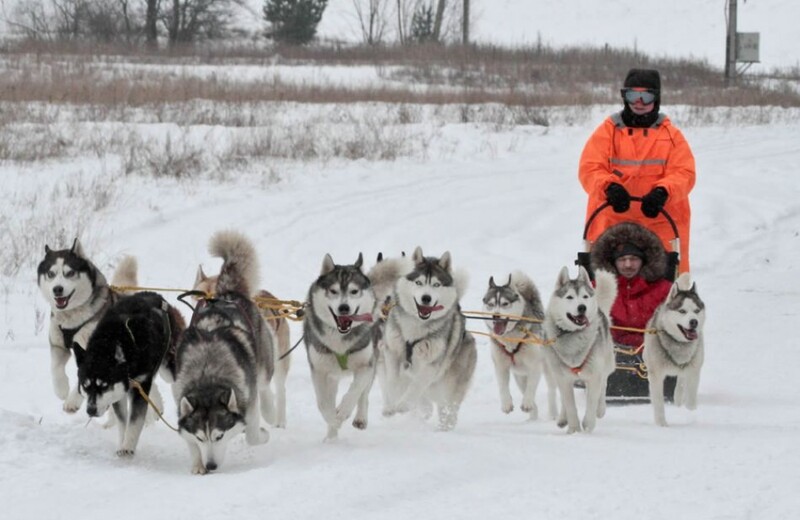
{"x":344,"y":322}
{"x":691,"y":334}
{"x":580,"y":319}
{"x":62,"y":302}
{"x":499,"y":326}
{"x":425,"y":309}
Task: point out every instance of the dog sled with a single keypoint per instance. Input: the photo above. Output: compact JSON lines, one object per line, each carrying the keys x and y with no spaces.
{"x":628,"y":384}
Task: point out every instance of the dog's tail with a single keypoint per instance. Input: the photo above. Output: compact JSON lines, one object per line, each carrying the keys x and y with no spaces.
{"x":127,"y":273}
{"x":606,"y":290}
{"x":385,"y":274}
{"x":525,"y":287}
{"x":239,"y":272}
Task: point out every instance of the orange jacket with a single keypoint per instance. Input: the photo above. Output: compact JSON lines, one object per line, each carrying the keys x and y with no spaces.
{"x":640,"y":159}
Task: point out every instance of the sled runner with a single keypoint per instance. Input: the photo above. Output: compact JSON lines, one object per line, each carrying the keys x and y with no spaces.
{"x":628,"y":384}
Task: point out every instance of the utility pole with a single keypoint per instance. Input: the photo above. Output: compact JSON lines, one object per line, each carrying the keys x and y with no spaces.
{"x":730,"y":49}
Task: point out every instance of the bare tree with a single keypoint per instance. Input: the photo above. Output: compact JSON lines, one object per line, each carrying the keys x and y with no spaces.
{"x":151,"y":23}
{"x":465,"y":22}
{"x":104,"y":20}
{"x":372,"y":19}
{"x":437,"y":21}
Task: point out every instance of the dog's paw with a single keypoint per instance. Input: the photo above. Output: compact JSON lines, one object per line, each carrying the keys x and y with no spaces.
{"x":588,"y":425}
{"x":561,"y":423}
{"x":388,"y":411}
{"x":661,"y":421}
{"x":531,"y":409}
{"x":262,"y":437}
{"x":199,"y":469}
{"x":73,"y":401}
{"x":507,"y":407}
{"x":573,"y":429}
{"x":361,"y":424}
{"x":332,"y":436}
{"x":125,"y":453}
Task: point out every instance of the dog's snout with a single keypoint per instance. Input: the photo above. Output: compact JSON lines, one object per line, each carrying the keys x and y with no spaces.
{"x":344,"y":309}
{"x":211,"y":465}
{"x":58,"y":290}
{"x":582,"y":308}
{"x":91,"y":410}
{"x":426,"y":299}
{"x":693,"y":323}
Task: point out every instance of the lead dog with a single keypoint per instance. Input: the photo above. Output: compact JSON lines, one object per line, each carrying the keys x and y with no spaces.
{"x":135,"y":338}
{"x":511,"y":352}
{"x":676,"y":349}
{"x":429,"y":355}
{"x":78,"y":295}
{"x":280,"y":326}
{"x":339,"y":332}
{"x":577,"y":323}
{"x":225,"y":361}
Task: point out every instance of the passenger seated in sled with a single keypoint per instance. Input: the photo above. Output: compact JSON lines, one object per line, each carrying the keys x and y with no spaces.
{"x":637,"y":257}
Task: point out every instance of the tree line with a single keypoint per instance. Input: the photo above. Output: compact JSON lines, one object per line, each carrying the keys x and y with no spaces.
{"x":175,"y":22}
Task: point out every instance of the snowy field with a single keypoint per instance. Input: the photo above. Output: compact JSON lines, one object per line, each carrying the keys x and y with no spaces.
{"x":498,"y":200}
{"x":499,"y":197}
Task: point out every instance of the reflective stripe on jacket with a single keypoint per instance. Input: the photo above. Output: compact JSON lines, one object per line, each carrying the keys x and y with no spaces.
{"x":640,"y":159}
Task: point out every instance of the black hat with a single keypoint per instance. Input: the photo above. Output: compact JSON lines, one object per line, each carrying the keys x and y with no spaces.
{"x":628,"y":249}
{"x":643,"y":78}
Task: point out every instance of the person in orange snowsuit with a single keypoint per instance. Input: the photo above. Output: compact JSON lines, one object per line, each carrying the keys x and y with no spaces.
{"x":638,"y":152}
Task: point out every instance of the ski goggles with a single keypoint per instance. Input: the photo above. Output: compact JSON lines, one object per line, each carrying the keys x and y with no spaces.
{"x":646,"y":96}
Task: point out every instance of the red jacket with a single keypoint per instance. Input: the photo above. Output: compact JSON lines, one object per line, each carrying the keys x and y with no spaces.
{"x":636,"y":301}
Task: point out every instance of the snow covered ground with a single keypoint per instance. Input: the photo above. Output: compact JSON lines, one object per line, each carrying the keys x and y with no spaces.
{"x":498,"y":199}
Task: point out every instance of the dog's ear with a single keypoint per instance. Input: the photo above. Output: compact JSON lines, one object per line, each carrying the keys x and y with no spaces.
{"x":186,"y":407}
{"x":47,"y":249}
{"x":232,"y":402}
{"x":327,"y":265}
{"x":563,"y":277}
{"x":200,"y":277}
{"x":583,"y":275}
{"x":77,"y":249}
{"x":418,"y":257}
{"x":380,"y":257}
{"x":446,"y":261}
{"x":492,"y":285}
{"x":684,"y":282}
{"x":508,"y":283}
{"x":359,"y":261}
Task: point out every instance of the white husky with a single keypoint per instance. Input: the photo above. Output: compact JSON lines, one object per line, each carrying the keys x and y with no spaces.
{"x":429,"y":355}
{"x":511,"y":353}
{"x":577,"y":323}
{"x":677,"y":348}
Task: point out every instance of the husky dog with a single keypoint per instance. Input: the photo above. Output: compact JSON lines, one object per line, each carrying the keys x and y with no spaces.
{"x":577,"y":323}
{"x":339,"y":338}
{"x":519,"y":297}
{"x":225,"y":361}
{"x":430,"y":357}
{"x":78,"y":295}
{"x":677,"y":348}
{"x":135,"y":338}
{"x":280,"y":327}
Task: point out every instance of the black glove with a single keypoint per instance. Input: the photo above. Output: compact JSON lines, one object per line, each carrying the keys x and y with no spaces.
{"x":618,"y":197}
{"x":653,"y":202}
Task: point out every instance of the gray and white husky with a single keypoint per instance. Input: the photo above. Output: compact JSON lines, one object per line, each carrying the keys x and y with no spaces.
{"x":225,"y":361}
{"x":78,"y":295}
{"x":135,"y":338}
{"x":429,"y":355}
{"x":511,"y":354}
{"x":280,"y":325}
{"x":677,"y":348}
{"x":339,"y":336}
{"x":577,"y":323}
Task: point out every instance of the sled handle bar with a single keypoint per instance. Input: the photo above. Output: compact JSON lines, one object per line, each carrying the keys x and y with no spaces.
{"x":635,"y":199}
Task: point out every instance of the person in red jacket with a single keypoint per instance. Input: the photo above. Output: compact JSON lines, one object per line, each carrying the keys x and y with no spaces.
{"x":638,"y":258}
{"x":638,"y":152}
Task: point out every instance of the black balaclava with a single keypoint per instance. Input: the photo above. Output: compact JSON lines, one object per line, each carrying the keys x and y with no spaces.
{"x":642,"y":78}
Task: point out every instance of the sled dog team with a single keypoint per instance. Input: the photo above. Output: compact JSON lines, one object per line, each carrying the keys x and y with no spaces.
{"x":400,"y":321}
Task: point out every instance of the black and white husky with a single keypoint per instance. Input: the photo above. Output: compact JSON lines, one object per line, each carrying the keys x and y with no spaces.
{"x":577,"y":322}
{"x":511,"y":351}
{"x":339,"y":336}
{"x":78,"y":295}
{"x":135,"y":338}
{"x":676,"y":349}
{"x":225,"y":361}
{"x":429,"y":355}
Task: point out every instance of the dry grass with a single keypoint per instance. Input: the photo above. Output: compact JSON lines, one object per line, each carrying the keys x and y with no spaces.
{"x":531,"y":77}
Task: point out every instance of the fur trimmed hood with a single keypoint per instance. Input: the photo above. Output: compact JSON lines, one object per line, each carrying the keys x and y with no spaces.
{"x":655,"y":261}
